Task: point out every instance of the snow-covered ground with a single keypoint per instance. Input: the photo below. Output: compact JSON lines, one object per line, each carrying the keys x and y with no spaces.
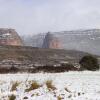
{"x":51,"y":86}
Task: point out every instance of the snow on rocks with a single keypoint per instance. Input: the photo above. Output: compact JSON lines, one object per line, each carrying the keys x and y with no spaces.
{"x":50,"y":86}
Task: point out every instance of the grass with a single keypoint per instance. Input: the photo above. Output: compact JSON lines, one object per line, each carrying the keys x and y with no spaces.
{"x":59,"y":98}
{"x":34,"y":85}
{"x":12,"y":97}
{"x":49,"y":85}
{"x":14,"y":86}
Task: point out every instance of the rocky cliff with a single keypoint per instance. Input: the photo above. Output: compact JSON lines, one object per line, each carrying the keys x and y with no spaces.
{"x":50,"y":41}
{"x":83,"y":40}
{"x":9,"y":37}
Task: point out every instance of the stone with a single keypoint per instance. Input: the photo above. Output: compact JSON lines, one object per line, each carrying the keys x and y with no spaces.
{"x":10,"y":37}
{"x":50,"y":41}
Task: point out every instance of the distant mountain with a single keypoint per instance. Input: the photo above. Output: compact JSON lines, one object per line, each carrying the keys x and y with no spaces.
{"x":10,"y":37}
{"x":83,"y":40}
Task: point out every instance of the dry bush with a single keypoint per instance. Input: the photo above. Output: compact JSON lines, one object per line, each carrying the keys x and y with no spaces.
{"x":14,"y":86}
{"x":59,"y":98}
{"x":34,"y":85}
{"x":49,"y":85}
{"x":12,"y":97}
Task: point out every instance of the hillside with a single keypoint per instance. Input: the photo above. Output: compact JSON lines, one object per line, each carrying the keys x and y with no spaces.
{"x":38,"y":54}
{"x":29,"y":57}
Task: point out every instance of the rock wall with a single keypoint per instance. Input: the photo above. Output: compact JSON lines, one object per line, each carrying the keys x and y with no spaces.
{"x":51,"y":42}
{"x":10,"y":37}
{"x":81,"y":40}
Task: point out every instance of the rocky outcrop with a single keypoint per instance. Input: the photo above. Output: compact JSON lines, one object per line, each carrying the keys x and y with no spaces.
{"x":51,"y":42}
{"x":9,"y":37}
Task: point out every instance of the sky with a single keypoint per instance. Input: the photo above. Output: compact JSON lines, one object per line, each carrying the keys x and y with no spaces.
{"x":38,"y":16}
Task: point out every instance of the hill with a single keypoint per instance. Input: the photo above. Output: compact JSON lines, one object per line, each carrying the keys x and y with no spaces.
{"x":27,"y":58}
{"x":38,"y":54}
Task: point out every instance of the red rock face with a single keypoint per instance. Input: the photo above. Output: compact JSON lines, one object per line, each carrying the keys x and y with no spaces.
{"x":51,"y":42}
{"x":9,"y":37}
{"x":54,"y":44}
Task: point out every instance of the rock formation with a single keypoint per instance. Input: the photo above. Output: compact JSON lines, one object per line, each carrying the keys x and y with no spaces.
{"x":81,"y":40}
{"x":9,"y":37}
{"x":51,"y":42}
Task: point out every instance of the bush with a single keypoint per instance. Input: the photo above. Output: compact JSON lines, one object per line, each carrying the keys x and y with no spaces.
{"x":14,"y":69}
{"x":69,"y":67}
{"x":59,"y":98}
{"x":49,"y":85}
{"x":53,"y":69}
{"x":12,"y":97}
{"x":89,"y":62}
{"x":14,"y":86}
{"x":34,"y":85}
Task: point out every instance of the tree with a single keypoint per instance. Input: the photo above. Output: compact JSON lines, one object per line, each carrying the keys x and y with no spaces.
{"x":89,"y":62}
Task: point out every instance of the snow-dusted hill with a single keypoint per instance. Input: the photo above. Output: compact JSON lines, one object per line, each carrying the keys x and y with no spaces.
{"x":58,"y":86}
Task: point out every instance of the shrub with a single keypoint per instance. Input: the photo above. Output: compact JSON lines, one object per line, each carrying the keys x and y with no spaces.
{"x":89,"y":62}
{"x":53,"y":69}
{"x":59,"y":98}
{"x":68,"y":67}
{"x":33,"y":86}
{"x":14,"y":69}
{"x":49,"y":85}
{"x":14,"y":86}
{"x":12,"y":97}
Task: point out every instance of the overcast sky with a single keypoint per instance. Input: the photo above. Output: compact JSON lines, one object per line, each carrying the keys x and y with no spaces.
{"x":36,"y":16}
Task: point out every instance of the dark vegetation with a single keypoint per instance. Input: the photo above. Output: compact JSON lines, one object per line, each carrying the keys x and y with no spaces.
{"x":12,"y":97}
{"x":89,"y":62}
{"x":53,"y":69}
{"x":47,"y":68}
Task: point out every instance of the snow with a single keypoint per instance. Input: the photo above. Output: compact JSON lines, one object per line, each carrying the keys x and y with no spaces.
{"x":69,"y":86}
{"x":6,"y":34}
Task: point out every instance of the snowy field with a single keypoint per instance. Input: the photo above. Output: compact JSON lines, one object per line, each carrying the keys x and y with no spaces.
{"x":52,"y":86}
